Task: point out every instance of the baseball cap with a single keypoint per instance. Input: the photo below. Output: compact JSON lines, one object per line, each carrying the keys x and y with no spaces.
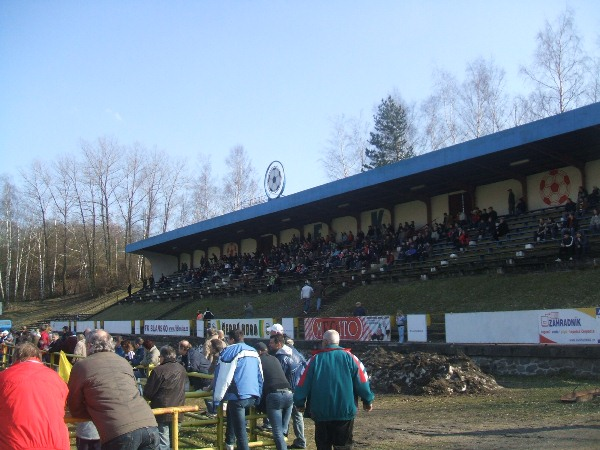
{"x":275,"y":328}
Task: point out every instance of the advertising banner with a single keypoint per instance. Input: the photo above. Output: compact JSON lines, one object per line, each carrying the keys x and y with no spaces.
{"x":117,"y":326}
{"x":5,"y":325}
{"x":80,"y":326}
{"x":365,"y":328}
{"x":569,"y":326}
{"x":167,"y":327}
{"x":253,"y":328}
{"x":417,"y":327}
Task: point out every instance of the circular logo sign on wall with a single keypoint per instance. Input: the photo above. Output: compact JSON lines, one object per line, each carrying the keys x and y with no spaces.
{"x":555,"y":187}
{"x":274,"y":180}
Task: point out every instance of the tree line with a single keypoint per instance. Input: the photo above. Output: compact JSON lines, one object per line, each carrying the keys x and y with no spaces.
{"x":66,"y":223}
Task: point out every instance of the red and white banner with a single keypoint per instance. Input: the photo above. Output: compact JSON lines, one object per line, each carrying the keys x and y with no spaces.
{"x":364,"y":328}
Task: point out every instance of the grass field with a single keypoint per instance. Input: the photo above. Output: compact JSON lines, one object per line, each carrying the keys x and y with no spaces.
{"x":567,"y":289}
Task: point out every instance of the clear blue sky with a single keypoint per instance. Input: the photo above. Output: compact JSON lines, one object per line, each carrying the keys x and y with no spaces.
{"x":193,"y":77}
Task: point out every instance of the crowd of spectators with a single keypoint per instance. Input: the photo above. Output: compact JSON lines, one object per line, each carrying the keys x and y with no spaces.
{"x":307,"y":257}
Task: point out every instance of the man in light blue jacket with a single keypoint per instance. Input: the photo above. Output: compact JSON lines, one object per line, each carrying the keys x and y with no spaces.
{"x":239,"y":381}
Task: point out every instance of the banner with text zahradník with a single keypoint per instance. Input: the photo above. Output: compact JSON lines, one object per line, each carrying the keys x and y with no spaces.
{"x":570,"y":326}
{"x":363,"y":328}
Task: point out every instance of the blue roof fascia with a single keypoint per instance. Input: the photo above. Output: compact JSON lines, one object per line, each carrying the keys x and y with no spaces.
{"x":531,"y":132}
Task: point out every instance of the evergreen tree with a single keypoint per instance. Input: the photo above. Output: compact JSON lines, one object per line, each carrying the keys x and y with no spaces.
{"x":389,"y":141}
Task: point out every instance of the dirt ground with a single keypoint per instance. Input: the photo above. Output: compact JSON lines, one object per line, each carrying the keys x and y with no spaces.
{"x":387,"y":427}
{"x":428,"y":401}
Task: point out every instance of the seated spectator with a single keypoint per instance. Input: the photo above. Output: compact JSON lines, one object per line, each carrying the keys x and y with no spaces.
{"x":594,"y":197}
{"x":581,"y":245}
{"x":128,"y":352}
{"x":521,"y":207}
{"x":501,"y":228}
{"x":540,"y":234}
{"x":595,"y":222}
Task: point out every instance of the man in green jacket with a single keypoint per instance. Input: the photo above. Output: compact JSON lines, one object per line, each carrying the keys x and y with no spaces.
{"x":328,"y":388}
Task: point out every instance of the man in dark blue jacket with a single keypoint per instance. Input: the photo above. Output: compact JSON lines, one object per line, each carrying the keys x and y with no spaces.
{"x":194,"y":361}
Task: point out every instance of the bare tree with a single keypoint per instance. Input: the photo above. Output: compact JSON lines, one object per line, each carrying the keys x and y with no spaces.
{"x":239,"y":184}
{"x":105,"y":171}
{"x":440,"y":113}
{"x":344,"y":155}
{"x":204,"y":191}
{"x":130,"y":196}
{"x":483,"y":101}
{"x":174,"y":178}
{"x":558,"y":69}
{"x":37,"y":189}
{"x":7,"y":200}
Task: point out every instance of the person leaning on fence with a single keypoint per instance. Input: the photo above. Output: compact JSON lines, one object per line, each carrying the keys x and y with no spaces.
{"x":193,"y":360}
{"x":32,"y":403}
{"x":102,"y":388}
{"x":165,"y":388}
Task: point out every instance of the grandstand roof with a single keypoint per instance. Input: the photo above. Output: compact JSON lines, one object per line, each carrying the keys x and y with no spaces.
{"x":568,"y":139}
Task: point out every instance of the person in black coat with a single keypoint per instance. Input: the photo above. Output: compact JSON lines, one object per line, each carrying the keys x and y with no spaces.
{"x":194,"y":361}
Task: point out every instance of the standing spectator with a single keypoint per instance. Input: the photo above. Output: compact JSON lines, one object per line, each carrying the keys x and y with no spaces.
{"x":102,"y":388}
{"x":511,"y":203}
{"x":129,"y":290}
{"x":319,"y":294}
{"x":32,"y":403}
{"x":193,"y":360}
{"x":359,"y":310}
{"x":276,"y":396}
{"x":248,"y":311}
{"x":306,"y":294}
{"x":239,"y":380}
{"x":401,"y":324}
{"x":293,"y":364}
{"x":329,"y":386}
{"x":45,"y":337}
{"x":566,"y":247}
{"x":166,"y":387}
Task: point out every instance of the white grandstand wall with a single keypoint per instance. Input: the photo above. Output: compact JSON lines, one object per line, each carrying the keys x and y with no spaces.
{"x":248,"y":246}
{"x":166,"y":264}
{"x":285,"y":237}
{"x":343,"y":224}
{"x":407,"y":212}
{"x":316,"y":229}
{"x":198,"y":254}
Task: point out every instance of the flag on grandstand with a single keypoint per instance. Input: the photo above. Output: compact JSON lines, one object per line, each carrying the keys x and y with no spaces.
{"x":64,"y":367}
